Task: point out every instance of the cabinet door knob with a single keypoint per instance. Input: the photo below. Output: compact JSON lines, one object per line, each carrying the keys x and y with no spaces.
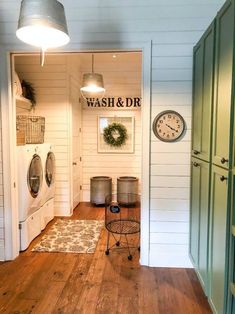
{"x":223,"y":160}
{"x":74,"y":163}
{"x":196,"y":152}
{"x":223,"y":178}
{"x":195,"y":164}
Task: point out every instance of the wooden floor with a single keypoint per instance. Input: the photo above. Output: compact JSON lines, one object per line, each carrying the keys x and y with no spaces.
{"x":95,"y":283}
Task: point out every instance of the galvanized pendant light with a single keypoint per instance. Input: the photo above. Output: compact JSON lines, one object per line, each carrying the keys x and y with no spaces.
{"x":92,"y":84}
{"x":42,"y":23}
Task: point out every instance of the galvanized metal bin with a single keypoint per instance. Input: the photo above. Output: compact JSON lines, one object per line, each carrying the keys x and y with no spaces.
{"x":100,"y":187}
{"x":127,"y":186}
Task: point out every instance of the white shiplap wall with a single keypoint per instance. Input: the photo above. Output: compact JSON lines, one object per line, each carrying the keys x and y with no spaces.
{"x":2,"y":247}
{"x":113,"y":165}
{"x":174,"y":27}
{"x":122,"y":78}
{"x":52,"y":93}
{"x":51,"y":86}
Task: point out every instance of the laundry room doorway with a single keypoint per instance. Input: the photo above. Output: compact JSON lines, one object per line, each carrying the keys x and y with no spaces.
{"x":73,"y":125}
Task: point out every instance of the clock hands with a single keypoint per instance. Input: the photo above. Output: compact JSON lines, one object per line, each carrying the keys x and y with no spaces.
{"x":171,"y":128}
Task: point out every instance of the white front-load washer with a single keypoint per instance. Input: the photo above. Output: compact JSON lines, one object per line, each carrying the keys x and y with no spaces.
{"x":30,"y":181}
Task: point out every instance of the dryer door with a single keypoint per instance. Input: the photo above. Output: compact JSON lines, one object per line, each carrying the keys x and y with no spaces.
{"x":50,"y":169}
{"x":35,"y":176}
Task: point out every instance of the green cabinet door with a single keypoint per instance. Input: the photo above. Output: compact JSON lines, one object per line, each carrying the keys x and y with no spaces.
{"x":194,"y":212}
{"x":197,"y":97}
{"x":231,"y":304}
{"x":223,"y":85}
{"x":199,"y":218}
{"x":218,"y":246}
{"x":231,"y":258}
{"x":203,"y":64}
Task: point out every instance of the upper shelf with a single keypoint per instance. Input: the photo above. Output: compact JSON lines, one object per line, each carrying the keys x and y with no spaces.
{"x":23,"y":103}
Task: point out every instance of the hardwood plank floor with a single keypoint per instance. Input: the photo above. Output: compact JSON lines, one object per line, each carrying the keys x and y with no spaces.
{"x":45,"y":283}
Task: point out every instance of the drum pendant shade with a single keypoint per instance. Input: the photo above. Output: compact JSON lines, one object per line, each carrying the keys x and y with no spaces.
{"x":42,"y":23}
{"x":92,"y":84}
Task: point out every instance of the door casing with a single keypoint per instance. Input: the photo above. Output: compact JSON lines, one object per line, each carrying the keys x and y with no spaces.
{"x":11,"y":231}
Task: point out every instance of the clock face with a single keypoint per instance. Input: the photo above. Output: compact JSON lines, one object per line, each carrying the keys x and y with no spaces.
{"x":168,"y":126}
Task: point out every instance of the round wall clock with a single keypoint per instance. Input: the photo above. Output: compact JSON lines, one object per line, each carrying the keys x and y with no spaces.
{"x":168,"y":126}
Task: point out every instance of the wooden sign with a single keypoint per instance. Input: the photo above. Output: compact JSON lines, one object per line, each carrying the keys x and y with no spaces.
{"x":114,"y":102}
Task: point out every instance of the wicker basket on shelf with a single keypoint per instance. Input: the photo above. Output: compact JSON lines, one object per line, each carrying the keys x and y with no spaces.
{"x":32,"y":126}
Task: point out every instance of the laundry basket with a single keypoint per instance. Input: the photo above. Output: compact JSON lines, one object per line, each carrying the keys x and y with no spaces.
{"x":32,"y":126}
{"x":122,"y":222}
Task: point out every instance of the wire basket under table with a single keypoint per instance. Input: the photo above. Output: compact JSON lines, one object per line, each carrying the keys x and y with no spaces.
{"x":122,"y":221}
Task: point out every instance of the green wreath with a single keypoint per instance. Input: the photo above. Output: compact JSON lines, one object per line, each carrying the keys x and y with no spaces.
{"x":118,"y":129}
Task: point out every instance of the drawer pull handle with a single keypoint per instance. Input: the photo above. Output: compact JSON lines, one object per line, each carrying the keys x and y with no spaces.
{"x":196,"y":152}
{"x":223,"y":160}
{"x":195,"y":164}
{"x":223,"y":178}
{"x":74,"y":163}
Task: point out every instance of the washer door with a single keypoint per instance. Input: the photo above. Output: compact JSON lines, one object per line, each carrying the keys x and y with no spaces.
{"x":50,"y":169}
{"x":35,"y":176}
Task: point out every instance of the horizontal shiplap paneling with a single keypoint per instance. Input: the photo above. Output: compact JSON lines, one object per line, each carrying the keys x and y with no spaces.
{"x":169,"y":255}
{"x":173,"y":27}
{"x":2,"y":249}
{"x":122,"y":77}
{"x":169,"y":215}
{"x":167,"y":238}
{"x":104,"y":164}
{"x":170,"y":181}
{"x":50,"y":83}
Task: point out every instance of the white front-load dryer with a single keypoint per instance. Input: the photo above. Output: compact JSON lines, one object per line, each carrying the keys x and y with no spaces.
{"x":48,"y":162}
{"x":49,"y":174}
{"x":47,"y":210}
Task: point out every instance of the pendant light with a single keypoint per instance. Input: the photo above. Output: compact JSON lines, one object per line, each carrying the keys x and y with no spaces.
{"x":42,"y":23}
{"x":92,"y":84}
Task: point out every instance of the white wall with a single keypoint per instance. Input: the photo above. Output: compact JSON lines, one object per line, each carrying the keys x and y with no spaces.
{"x":51,"y":87}
{"x":174,"y":27}
{"x":122,"y":78}
{"x":1,"y":210}
{"x":105,"y":164}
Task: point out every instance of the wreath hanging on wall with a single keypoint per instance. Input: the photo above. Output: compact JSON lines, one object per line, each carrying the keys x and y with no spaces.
{"x":115,"y":134}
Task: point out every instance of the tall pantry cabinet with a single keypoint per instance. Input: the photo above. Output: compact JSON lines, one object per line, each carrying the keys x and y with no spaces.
{"x":201,"y":152}
{"x":212,"y":213}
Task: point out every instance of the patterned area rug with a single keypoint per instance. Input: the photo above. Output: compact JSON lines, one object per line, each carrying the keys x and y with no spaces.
{"x":71,"y":236}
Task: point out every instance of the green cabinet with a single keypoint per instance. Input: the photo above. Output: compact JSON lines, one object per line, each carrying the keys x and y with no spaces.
{"x":218,"y":240}
{"x":231,"y":295}
{"x":203,"y":56}
{"x":231,"y":281}
{"x":212,"y":234}
{"x":199,"y":218}
{"x":222,"y":127}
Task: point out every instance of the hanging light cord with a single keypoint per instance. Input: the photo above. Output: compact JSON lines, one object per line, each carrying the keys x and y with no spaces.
{"x":92,"y":63}
{"x":42,"y":56}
